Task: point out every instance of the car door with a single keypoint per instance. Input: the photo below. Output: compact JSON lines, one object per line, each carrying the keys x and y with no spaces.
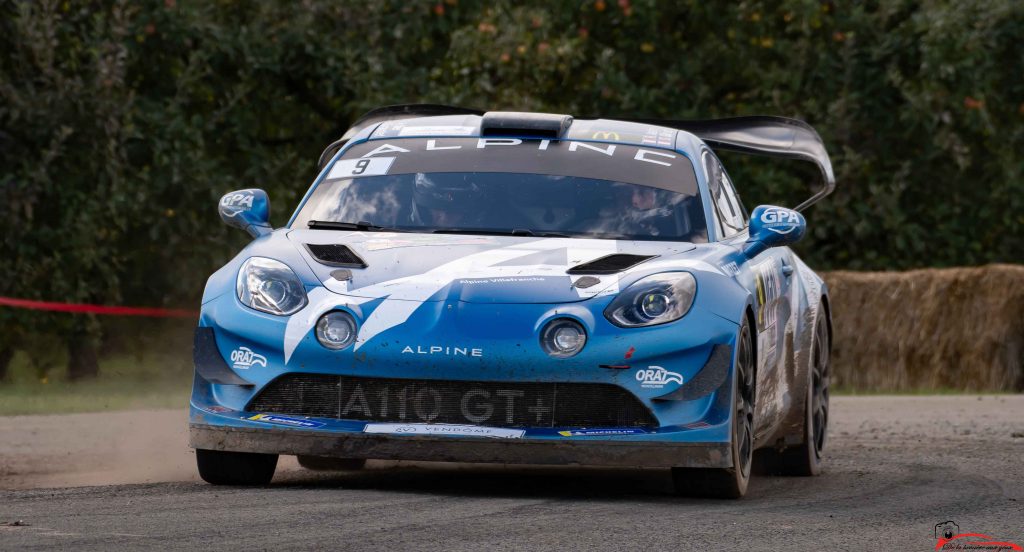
{"x":768,"y":279}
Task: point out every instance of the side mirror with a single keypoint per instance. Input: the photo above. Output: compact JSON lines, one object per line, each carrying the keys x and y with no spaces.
{"x":772,"y":226}
{"x":248,"y":210}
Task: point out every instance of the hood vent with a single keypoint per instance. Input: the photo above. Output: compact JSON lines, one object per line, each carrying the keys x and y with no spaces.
{"x":335,"y":255}
{"x":610,"y":264}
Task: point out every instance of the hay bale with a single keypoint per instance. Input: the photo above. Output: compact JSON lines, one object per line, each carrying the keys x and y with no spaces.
{"x":954,"y":328}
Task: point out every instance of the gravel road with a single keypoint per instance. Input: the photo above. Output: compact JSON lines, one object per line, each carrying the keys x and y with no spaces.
{"x":896,"y":466}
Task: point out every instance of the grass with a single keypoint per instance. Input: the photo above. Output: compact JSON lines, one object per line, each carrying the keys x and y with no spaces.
{"x":126,"y":382}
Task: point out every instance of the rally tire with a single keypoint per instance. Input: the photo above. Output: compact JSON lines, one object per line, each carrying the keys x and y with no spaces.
{"x":320,"y":463}
{"x":806,"y":459}
{"x":729,"y":482}
{"x":220,"y":467}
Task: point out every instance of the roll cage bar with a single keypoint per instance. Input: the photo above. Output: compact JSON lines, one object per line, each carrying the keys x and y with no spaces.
{"x":756,"y":135}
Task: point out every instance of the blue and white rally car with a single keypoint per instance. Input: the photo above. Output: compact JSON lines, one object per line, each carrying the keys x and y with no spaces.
{"x":520,"y":288}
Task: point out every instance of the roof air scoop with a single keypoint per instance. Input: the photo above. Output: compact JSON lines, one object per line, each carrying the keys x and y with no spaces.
{"x":610,"y":264}
{"x":513,"y":123}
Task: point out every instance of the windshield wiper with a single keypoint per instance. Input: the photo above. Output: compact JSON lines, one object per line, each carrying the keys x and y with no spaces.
{"x":361,"y":225}
{"x":498,"y":232}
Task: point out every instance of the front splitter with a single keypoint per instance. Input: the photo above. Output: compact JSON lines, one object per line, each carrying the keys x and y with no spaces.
{"x":461,"y":449}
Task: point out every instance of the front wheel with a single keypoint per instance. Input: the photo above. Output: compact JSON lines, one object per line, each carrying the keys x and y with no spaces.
{"x":729,"y":482}
{"x":221,"y":467}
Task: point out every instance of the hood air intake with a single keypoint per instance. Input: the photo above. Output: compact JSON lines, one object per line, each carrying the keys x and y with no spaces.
{"x":610,"y":264}
{"x":512,"y":123}
{"x":335,"y":255}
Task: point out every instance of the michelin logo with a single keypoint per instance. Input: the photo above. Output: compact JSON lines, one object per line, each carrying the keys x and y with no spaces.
{"x":285,"y":420}
{"x":656,"y":377}
{"x":244,"y":358}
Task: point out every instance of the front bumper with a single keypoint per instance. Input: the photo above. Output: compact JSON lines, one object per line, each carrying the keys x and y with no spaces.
{"x":457,"y":449}
{"x":691,"y":413}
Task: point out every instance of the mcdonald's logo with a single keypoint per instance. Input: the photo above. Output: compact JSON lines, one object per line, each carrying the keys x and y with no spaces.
{"x":606,"y":135}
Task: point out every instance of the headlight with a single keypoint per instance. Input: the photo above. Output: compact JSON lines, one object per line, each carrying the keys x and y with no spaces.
{"x":336,"y":330}
{"x":656,"y":299}
{"x":270,"y":286}
{"x":563,"y":338}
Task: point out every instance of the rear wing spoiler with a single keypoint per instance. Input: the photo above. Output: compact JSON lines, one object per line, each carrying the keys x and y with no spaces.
{"x":758,"y":135}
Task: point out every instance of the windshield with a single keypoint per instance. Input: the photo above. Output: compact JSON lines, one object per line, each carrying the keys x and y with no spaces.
{"x":525,"y":190}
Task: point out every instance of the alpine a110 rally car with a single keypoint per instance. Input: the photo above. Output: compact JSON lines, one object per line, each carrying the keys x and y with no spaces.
{"x":520,"y":288}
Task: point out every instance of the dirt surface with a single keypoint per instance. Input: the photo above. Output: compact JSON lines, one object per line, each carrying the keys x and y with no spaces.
{"x":896,"y":466}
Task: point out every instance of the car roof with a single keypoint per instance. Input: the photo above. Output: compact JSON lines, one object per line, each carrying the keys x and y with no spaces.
{"x":603,"y":130}
{"x":771,"y":136}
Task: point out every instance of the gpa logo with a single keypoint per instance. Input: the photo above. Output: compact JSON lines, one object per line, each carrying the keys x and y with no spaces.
{"x":237,"y":202}
{"x":244,"y":358}
{"x":779,"y":220}
{"x":238,"y":199}
{"x":656,"y":377}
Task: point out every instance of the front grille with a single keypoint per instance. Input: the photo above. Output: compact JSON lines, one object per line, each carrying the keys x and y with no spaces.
{"x":498,"y":404}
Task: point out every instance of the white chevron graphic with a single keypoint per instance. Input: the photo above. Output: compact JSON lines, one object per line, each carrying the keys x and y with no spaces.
{"x":404,"y":295}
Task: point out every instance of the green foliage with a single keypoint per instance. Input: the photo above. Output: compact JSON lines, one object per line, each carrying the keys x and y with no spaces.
{"x":121,"y":123}
{"x":161,"y":381}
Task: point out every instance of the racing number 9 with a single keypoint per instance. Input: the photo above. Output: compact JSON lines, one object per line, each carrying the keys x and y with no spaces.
{"x":361,"y":166}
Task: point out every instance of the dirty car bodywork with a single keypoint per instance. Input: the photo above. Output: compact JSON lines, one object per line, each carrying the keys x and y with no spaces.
{"x":511,"y":331}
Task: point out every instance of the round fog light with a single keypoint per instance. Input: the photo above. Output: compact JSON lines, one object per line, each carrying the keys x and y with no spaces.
{"x":336,"y":330}
{"x":563,"y":338}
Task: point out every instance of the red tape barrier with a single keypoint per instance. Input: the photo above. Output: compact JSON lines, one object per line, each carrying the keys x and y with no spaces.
{"x":96,"y":309}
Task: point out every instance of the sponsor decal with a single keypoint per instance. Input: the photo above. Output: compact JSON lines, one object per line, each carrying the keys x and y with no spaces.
{"x":629,"y":353}
{"x":436,"y":130}
{"x":602,"y":432}
{"x":659,"y":137}
{"x":216,"y":409}
{"x":237,"y":202}
{"x":641,"y":155}
{"x":768,"y":281}
{"x":730,"y":268}
{"x":948,"y":537}
{"x":656,"y":377}
{"x":779,"y":220}
{"x":608,"y":149}
{"x":439,"y":350}
{"x":284,"y":420}
{"x":697,"y":425}
{"x":605,"y":135}
{"x":445,"y":429}
{"x":244,"y":358}
{"x":501,"y":280}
